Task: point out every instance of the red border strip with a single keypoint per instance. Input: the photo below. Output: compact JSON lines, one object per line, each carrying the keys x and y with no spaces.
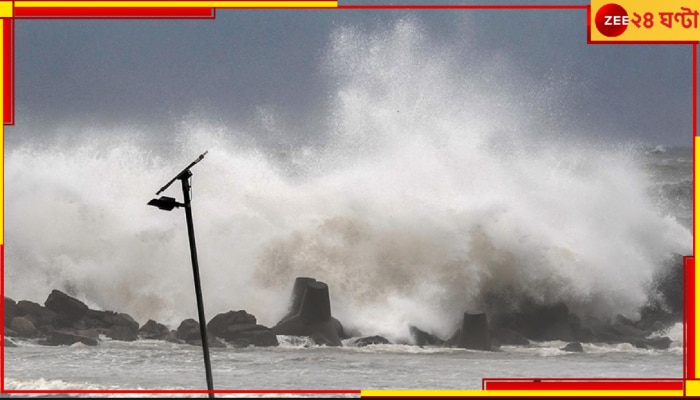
{"x":689,"y":318}
{"x":114,"y":12}
{"x":501,"y":7}
{"x":533,"y":384}
{"x":8,"y":111}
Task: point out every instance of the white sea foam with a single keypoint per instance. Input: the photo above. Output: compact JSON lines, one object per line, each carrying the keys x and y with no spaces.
{"x":437,"y":183}
{"x":57,"y":385}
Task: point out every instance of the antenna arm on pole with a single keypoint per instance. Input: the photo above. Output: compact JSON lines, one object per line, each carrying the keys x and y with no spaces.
{"x":182,"y":173}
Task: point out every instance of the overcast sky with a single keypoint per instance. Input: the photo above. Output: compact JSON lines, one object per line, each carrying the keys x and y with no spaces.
{"x":148,"y":75}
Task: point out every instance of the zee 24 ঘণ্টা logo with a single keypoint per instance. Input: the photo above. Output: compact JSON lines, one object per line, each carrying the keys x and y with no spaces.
{"x":612,"y":20}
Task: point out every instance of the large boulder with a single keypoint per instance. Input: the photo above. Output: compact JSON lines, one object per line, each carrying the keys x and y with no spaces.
{"x":573,"y":347}
{"x":23,"y":327}
{"x":117,"y":326}
{"x":154,"y":330}
{"x":222,"y":325}
{"x":422,"y":338}
{"x":68,"y":309}
{"x":122,"y":332}
{"x":65,"y":337}
{"x":41,"y":317}
{"x":10,"y":310}
{"x":241,"y":329}
{"x":369,"y":340}
{"x":313,"y":317}
{"x":188,"y":330}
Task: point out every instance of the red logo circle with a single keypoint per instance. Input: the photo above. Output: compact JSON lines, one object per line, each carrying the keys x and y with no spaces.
{"x":611,"y":20}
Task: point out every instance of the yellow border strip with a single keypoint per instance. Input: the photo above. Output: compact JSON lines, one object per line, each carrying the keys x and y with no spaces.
{"x":696,"y":245}
{"x":521,"y":393}
{"x":692,"y":388}
{"x":178,"y":4}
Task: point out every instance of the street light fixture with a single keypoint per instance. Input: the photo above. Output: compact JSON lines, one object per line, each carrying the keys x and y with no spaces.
{"x":168,"y":204}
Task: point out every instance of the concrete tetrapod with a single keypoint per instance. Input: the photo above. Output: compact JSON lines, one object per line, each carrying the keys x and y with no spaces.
{"x":313,"y":317}
{"x":475,"y":332}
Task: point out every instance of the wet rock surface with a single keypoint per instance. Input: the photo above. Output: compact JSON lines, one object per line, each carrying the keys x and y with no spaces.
{"x":65,"y":320}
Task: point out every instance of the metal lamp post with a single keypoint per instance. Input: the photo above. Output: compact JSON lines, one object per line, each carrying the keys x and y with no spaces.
{"x":167,"y":204}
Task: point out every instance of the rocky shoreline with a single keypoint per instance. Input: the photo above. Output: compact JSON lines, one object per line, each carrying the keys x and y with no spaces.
{"x":65,"y":320}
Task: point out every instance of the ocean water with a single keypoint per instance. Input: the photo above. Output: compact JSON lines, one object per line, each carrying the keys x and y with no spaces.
{"x":146,"y":364}
{"x":416,"y":201}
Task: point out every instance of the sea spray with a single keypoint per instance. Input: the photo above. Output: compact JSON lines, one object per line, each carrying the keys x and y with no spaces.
{"x":436,"y":185}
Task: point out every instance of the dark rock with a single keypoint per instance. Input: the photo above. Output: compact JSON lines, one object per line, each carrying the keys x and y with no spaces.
{"x":625,"y":327}
{"x":666,"y":296}
{"x":172,"y":338}
{"x":123,"y":319}
{"x":66,"y":307}
{"x":224,"y":324}
{"x":9,"y":343}
{"x":67,"y":338}
{"x":153,"y":330}
{"x":314,"y":316}
{"x":325,"y":338}
{"x":10,"y":307}
{"x":260,"y":338}
{"x":23,"y":327}
{"x":188,"y":330}
{"x":654,"y":315}
{"x":583,"y":334}
{"x":573,"y":347}
{"x":658,"y":343}
{"x":339,"y":328}
{"x":9,"y":332}
{"x":422,"y":338}
{"x":368,"y":340}
{"x":542,"y":321}
{"x":41,"y":317}
{"x":122,"y":332}
{"x":241,"y":327}
{"x":670,"y":283}
{"x":79,"y":325}
{"x":118,"y":326}
{"x":475,"y":332}
{"x":91,"y":333}
{"x":505,"y":336}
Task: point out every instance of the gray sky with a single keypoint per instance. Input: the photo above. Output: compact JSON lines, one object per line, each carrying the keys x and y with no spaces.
{"x":148,"y":75}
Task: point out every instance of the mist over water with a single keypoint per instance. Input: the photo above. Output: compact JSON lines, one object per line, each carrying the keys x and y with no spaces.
{"x":436,"y":185}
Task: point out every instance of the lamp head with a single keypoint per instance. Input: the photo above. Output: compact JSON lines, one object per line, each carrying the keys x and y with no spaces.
{"x":165,"y":203}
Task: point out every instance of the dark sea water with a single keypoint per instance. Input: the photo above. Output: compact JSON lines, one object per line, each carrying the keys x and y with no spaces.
{"x":160,"y":365}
